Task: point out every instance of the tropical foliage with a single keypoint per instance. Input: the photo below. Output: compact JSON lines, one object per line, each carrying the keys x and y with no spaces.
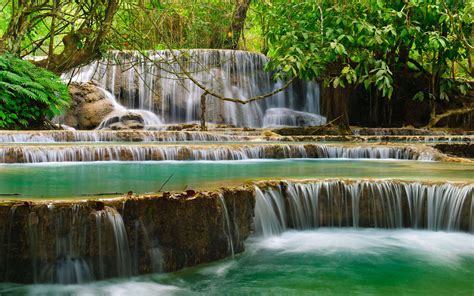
{"x":410,"y":49}
{"x":28,"y":94}
{"x":370,"y":42}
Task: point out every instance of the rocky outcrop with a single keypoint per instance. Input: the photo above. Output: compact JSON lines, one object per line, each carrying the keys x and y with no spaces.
{"x":124,"y":121}
{"x":77,"y":241}
{"x":457,"y":149}
{"x":89,"y":106}
{"x":384,"y":133}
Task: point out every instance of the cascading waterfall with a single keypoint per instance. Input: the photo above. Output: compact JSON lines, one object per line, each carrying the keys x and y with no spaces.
{"x":270,"y":212}
{"x":384,"y":204}
{"x":111,"y":136}
{"x":110,"y":218}
{"x":156,"y":83}
{"x":38,"y":154}
{"x":227,"y":227}
{"x":69,"y":267}
{"x":74,"y":237}
{"x":179,"y":136}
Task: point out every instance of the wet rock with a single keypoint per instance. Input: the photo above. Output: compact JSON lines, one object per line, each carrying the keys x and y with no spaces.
{"x":120,"y":237}
{"x":457,"y":149}
{"x":89,"y":106}
{"x":126,"y":121}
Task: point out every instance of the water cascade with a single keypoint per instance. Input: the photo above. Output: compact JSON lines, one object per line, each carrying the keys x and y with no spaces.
{"x":122,"y":114}
{"x":156,"y":83}
{"x":58,"y":153}
{"x":112,"y":136}
{"x":220,"y":135}
{"x":72,"y":242}
{"x":110,"y":218}
{"x":227,"y":227}
{"x":383,"y":204}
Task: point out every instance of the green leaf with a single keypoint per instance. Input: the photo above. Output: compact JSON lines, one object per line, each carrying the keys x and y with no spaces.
{"x":419,"y":96}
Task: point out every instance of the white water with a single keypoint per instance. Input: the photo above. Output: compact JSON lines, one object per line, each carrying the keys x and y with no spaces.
{"x":150,"y":119}
{"x":156,"y":83}
{"x":275,"y":117}
{"x":110,"y":136}
{"x":227,"y":228}
{"x":338,"y":203}
{"x":110,"y":220}
{"x":435,"y":247}
{"x":125,"y":288}
{"x":37,"y":154}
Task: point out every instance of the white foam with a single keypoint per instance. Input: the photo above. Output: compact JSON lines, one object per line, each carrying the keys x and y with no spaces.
{"x":106,"y":288}
{"x":435,"y":247}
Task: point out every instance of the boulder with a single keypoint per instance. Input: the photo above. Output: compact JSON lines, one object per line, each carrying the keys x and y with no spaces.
{"x":123,"y":121}
{"x":89,"y":106}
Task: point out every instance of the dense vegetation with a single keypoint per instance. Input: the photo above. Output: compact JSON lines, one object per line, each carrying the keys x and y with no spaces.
{"x":393,"y":50}
{"x":28,"y":94}
{"x":376,"y":44}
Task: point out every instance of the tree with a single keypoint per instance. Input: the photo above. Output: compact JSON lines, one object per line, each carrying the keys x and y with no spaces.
{"x":35,"y":27}
{"x":374,"y":43}
{"x":237,"y":25}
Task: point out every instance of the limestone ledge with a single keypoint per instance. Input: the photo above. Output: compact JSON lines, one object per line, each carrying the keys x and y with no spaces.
{"x":130,"y":235}
{"x":164,"y":232}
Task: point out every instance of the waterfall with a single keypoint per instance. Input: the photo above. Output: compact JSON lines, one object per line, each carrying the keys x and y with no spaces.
{"x":270,"y":212}
{"x":155,"y":82}
{"x":72,"y":240}
{"x":111,"y":221}
{"x":149,"y":118}
{"x":175,"y":136}
{"x":111,"y":136}
{"x":384,"y":204}
{"x":227,"y":229}
{"x":52,"y":153}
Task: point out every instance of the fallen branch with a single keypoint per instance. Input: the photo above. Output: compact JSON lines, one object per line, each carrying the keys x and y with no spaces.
{"x":167,"y":180}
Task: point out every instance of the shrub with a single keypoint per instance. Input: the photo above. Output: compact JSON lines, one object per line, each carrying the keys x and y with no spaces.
{"x":28,"y":95}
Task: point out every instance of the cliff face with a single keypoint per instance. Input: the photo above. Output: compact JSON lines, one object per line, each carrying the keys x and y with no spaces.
{"x":71,"y":242}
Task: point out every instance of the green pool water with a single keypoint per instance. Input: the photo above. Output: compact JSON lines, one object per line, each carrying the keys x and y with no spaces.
{"x":55,"y":180}
{"x":316,"y":262}
{"x":77,"y":179}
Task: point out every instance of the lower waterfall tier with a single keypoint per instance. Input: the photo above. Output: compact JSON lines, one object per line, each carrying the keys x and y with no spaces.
{"x":383,"y":204}
{"x":79,"y":241}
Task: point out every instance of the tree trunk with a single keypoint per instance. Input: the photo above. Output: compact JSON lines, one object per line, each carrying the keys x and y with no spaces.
{"x":72,"y":56}
{"x":237,"y":26}
{"x":203,"y":111}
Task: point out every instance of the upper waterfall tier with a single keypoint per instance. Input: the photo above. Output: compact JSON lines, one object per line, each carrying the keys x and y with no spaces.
{"x":233,"y":151}
{"x":154,"y":81}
